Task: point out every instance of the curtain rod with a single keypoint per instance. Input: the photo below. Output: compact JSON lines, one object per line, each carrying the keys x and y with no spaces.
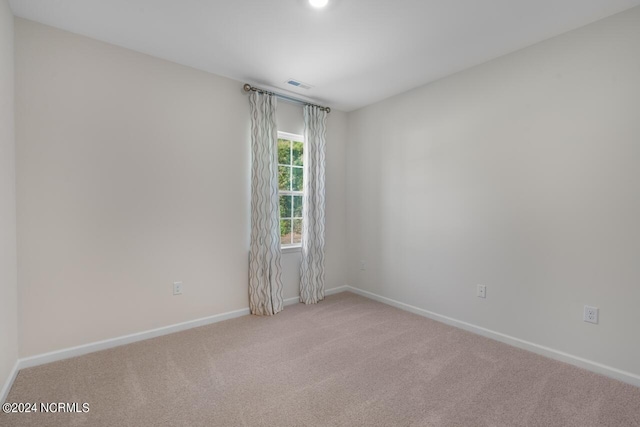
{"x":248,"y":88}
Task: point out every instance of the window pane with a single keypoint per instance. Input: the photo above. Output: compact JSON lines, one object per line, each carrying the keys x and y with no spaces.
{"x":285,"y":206}
{"x":297,"y":179}
{"x":284,"y":152}
{"x":285,"y":232}
{"x":297,"y":231}
{"x":297,"y":206}
{"x":297,"y":153}
{"x":284,"y":178}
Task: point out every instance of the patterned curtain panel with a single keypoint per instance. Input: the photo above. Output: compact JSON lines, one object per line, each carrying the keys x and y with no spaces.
{"x":265,"y":282}
{"x":312,"y":266}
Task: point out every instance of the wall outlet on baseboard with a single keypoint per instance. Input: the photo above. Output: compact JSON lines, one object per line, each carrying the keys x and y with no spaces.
{"x":177,"y":288}
{"x":590,"y":314}
{"x":482,"y":291}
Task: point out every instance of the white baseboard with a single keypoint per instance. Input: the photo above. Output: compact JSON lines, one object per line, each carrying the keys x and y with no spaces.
{"x":295,"y":300}
{"x":291,"y":301}
{"x":336,"y":290}
{"x":54,"y":356}
{"x":580,"y":362}
{"x":9,"y":382}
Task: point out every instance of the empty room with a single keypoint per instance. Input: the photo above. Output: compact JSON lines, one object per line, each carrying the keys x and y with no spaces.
{"x":320,"y":213}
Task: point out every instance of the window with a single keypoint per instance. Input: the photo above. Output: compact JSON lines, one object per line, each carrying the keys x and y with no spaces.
{"x":290,"y":175}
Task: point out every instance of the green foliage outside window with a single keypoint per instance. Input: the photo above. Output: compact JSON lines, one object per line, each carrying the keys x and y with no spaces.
{"x":290,"y":183}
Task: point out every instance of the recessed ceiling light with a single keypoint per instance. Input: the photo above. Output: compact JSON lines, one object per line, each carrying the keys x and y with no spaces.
{"x":318,"y":3}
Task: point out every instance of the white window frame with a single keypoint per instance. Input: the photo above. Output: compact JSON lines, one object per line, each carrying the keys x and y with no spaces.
{"x":293,"y":247}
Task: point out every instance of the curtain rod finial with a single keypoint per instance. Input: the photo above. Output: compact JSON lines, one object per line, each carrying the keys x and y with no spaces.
{"x":328,"y":110}
{"x":247,"y":87}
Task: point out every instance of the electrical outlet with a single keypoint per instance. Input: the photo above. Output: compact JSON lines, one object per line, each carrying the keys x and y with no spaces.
{"x":362,"y":266}
{"x":590,"y":314}
{"x":177,"y":288}
{"x":482,"y":291}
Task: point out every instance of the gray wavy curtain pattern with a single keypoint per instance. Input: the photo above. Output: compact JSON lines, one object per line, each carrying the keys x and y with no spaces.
{"x":265,"y":271}
{"x":312,"y":265}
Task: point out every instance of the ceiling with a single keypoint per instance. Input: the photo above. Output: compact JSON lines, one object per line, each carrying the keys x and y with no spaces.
{"x":353,"y":52}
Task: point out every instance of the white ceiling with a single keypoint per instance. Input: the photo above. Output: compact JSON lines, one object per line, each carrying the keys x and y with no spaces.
{"x":354,"y":52}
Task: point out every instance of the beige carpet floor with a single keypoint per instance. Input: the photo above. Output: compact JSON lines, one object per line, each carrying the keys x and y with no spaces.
{"x":347,"y":361}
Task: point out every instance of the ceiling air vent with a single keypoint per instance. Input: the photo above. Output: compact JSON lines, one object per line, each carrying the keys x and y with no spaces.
{"x":299,"y":84}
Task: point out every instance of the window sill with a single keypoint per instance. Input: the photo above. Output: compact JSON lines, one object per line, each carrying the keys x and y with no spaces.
{"x":290,"y":249}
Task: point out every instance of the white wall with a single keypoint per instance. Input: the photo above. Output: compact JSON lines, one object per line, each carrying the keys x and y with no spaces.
{"x":8,"y":283}
{"x":522,"y":174}
{"x":133,"y":172}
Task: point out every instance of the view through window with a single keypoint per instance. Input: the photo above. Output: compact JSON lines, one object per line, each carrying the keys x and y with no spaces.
{"x":290,"y":176}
